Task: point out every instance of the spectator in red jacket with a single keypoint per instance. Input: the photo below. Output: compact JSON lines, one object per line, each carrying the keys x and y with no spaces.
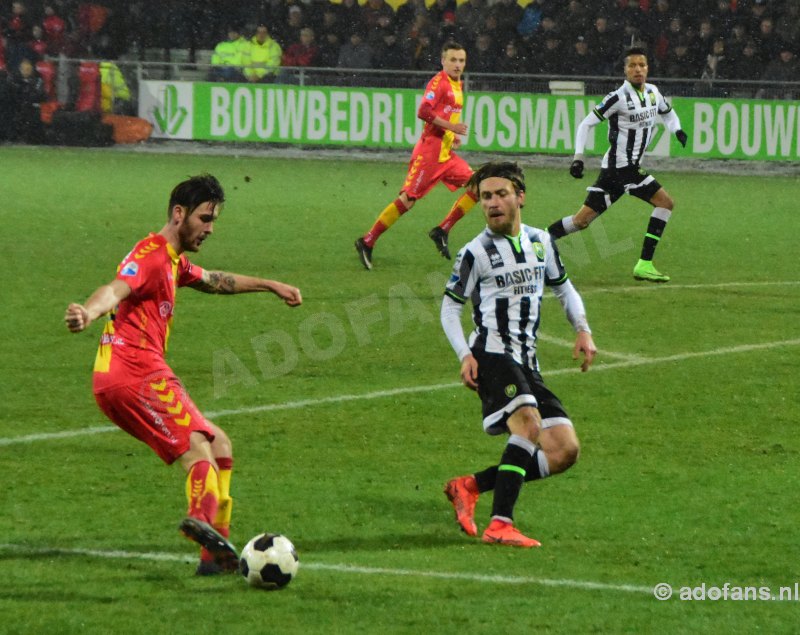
{"x":303,"y":52}
{"x":55,"y":30}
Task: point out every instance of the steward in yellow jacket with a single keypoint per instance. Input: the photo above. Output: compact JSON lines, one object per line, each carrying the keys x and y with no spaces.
{"x":230,"y":57}
{"x":265,"y":56}
{"x":115,"y":96}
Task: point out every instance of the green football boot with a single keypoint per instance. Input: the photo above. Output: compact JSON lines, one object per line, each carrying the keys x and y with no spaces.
{"x":644,"y":270}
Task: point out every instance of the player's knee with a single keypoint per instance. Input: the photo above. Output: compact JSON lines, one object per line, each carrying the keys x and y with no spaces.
{"x":662,"y":199}
{"x":530,"y":422}
{"x":563,"y":457}
{"x":221,"y":445}
{"x":570,"y":453}
{"x":584,"y":217}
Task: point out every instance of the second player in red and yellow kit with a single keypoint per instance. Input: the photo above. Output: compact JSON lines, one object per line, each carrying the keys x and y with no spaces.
{"x":433,"y":159}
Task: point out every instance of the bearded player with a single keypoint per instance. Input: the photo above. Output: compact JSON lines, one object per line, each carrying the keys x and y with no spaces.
{"x":132,"y":383}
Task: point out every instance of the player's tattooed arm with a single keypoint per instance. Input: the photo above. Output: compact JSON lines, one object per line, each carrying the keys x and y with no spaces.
{"x":217,"y":282}
{"x":229,"y":283}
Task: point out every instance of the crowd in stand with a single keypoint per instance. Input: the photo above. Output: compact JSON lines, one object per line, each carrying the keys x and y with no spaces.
{"x":723,"y":39}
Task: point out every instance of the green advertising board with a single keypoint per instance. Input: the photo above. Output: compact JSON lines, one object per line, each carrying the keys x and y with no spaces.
{"x":513,"y":122}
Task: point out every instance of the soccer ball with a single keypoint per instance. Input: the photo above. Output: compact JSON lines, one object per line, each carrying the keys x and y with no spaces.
{"x":268,"y":561}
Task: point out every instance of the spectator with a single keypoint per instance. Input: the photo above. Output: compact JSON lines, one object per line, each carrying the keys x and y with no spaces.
{"x":329,"y":47}
{"x":747,"y":65}
{"x":510,"y":62}
{"x":265,"y":57}
{"x":767,"y":41}
{"x":289,"y":30}
{"x":27,"y":94}
{"x":329,"y":39}
{"x":788,"y":26}
{"x":37,"y":43}
{"x":548,"y":27}
{"x":349,"y":18}
{"x":605,"y":46}
{"x":704,"y":42}
{"x":724,"y":18}
{"x":680,"y":63}
{"x":470,"y":17}
{"x":631,"y":20}
{"x":784,"y":68}
{"x":439,"y":8}
{"x":230,"y":57}
{"x":355,"y":53}
{"x":551,"y":59}
{"x":449,"y":31}
{"x":302,"y":53}
{"x":657,"y":21}
{"x":377,"y":20}
{"x":530,"y":21}
{"x":115,"y":96}
{"x":424,"y":55}
{"x":756,"y":11}
{"x":17,"y":33}
{"x":575,"y":19}
{"x":391,"y":54}
{"x":7,"y":106}
{"x":407,"y":11}
{"x":718,"y":65}
{"x":507,"y":14}
{"x":483,"y":57}
{"x":582,"y":61}
{"x":737,"y":40}
{"x":55,"y":30}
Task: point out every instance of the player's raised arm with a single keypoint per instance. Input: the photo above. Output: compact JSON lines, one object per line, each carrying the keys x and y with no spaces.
{"x":79,"y":316}
{"x":229,"y":283}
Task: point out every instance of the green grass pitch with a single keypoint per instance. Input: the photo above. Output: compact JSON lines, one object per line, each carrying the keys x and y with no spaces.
{"x":347,"y":419}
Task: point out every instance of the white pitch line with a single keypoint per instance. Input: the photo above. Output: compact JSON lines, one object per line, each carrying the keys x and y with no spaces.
{"x":729,"y":350}
{"x":292,"y":405}
{"x":567,"y":344}
{"x":46,"y":436}
{"x":679,"y":287}
{"x":345,"y":568}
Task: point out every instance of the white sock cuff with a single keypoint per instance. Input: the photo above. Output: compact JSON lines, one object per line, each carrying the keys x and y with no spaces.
{"x":569,"y":225}
{"x":544,"y":466}
{"x":522,"y":442}
{"x":661,"y":213}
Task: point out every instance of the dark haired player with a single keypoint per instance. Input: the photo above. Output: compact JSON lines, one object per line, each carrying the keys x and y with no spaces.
{"x":503,"y":271}
{"x":632,"y":111}
{"x":132,"y":383}
{"x":433,"y":159}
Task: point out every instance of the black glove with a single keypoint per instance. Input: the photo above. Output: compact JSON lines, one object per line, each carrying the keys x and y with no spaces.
{"x":681,"y":137}
{"x":576,"y":169}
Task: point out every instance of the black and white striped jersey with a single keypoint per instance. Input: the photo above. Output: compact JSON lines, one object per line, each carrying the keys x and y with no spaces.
{"x":632,"y":115}
{"x":504,"y":278}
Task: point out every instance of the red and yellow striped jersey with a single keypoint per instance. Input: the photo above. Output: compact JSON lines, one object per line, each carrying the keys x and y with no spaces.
{"x":443,"y":98}
{"x":134,"y":339}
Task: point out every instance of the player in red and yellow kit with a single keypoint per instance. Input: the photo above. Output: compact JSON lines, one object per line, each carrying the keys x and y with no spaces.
{"x":133,"y":384}
{"x":433,"y":159}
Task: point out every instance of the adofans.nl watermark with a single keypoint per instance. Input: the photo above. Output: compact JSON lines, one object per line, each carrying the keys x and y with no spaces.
{"x":727,"y":592}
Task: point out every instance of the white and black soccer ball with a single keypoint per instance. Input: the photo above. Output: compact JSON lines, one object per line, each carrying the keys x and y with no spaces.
{"x":269,"y":561}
